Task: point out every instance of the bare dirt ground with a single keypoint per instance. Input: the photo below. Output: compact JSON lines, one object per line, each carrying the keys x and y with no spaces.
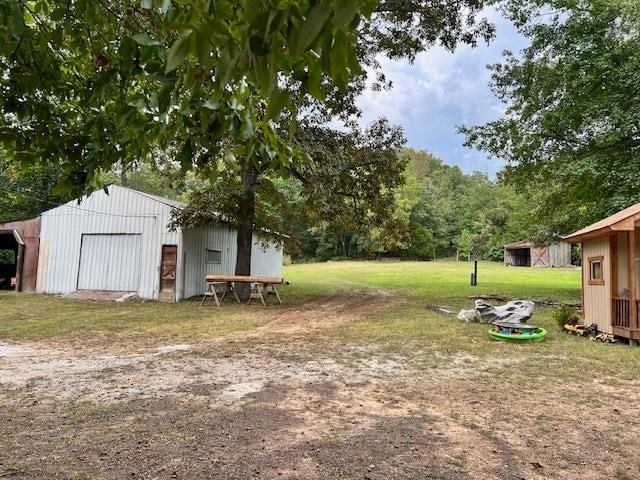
{"x":278,"y":402}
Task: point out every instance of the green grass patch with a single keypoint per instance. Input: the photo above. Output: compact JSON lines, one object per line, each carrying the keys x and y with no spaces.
{"x":440,"y":281}
{"x":35,"y":317}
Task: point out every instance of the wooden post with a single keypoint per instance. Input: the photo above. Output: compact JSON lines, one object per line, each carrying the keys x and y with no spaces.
{"x":633,"y":306}
{"x":475,"y":270}
{"x":613,"y":250}
{"x":19,"y":264}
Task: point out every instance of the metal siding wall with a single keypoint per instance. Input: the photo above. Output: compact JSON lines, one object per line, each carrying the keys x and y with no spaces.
{"x":197,"y":241}
{"x":110,"y":262}
{"x":266,"y":262}
{"x":122,"y":211}
{"x":94,"y":258}
{"x":597,"y":298}
{"x":124,"y":274}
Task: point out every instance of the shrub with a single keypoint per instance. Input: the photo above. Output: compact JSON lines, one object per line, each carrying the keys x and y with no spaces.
{"x":565,"y":315}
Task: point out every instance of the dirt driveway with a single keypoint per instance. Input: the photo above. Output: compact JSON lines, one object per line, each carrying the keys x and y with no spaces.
{"x":281,"y":402}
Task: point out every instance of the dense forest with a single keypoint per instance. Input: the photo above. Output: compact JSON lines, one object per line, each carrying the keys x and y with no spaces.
{"x":439,"y":211}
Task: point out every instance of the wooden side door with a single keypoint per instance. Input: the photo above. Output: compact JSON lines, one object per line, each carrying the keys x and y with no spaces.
{"x":168,"y":267}
{"x":540,"y":257}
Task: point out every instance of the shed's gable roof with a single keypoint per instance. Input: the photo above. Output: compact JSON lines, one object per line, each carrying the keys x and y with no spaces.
{"x":620,"y":221}
{"x":120,"y":198}
{"x":158,"y":198}
{"x":522,"y":244}
{"x":530,"y":244}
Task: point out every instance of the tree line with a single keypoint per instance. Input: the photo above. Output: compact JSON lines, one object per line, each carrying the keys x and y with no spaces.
{"x":430,"y":209}
{"x":228,"y":101}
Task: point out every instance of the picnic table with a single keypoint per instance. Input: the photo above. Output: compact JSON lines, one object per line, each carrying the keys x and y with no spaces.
{"x":224,"y":284}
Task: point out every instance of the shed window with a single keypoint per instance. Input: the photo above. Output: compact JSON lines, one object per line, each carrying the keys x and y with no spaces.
{"x":596,"y":275}
{"x":214,"y":256}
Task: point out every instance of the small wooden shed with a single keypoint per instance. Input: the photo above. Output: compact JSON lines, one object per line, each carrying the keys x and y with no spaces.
{"x":610,"y":283}
{"x":526,"y":254}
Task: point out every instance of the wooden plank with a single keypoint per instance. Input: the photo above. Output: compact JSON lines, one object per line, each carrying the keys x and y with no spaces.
{"x":538,"y":301}
{"x":633,"y":305}
{"x":582,"y":280}
{"x":244,"y":279}
{"x":613,"y":251}
{"x":440,"y":309}
{"x":622,"y":332}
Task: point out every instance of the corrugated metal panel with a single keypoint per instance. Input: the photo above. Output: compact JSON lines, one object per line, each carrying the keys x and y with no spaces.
{"x":266,"y":260}
{"x":122,"y":211}
{"x":196,"y":242}
{"x":597,"y":298}
{"x":110,"y":262}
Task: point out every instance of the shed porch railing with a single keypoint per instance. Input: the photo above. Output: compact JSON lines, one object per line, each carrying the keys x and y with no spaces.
{"x":621,"y":312}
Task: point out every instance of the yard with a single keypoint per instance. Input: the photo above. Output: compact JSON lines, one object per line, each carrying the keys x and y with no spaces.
{"x":351,"y":378}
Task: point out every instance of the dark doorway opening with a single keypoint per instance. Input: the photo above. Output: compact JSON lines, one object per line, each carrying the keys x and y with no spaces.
{"x":521,"y":257}
{"x":11,"y":247}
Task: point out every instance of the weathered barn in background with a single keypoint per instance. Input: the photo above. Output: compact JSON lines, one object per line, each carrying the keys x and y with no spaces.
{"x":526,"y":254}
{"x":121,"y":241}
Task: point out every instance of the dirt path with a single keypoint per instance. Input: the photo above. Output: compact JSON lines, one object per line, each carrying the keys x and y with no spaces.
{"x":330,"y":311}
{"x":289,"y":406}
{"x":122,"y":371}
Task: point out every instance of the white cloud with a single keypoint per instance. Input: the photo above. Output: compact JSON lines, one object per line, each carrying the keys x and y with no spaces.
{"x":441,"y":91}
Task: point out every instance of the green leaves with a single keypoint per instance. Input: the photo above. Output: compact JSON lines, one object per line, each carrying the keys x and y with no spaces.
{"x":277,"y":102}
{"x":186,"y":155}
{"x":310,"y":29}
{"x":106,"y":83}
{"x":346,"y":13}
{"x":203,"y":47}
{"x":258,"y":46}
{"x":145,"y":40}
{"x":178,"y":53}
{"x":11,"y":26}
{"x":573,"y":107}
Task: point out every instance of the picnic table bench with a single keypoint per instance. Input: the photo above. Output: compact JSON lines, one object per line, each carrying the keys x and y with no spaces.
{"x":225,"y":284}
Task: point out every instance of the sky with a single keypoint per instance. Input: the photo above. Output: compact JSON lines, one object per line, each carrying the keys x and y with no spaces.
{"x":440,"y":91}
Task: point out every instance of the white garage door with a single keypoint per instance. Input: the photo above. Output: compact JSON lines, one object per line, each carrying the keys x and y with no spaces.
{"x":110,"y":262}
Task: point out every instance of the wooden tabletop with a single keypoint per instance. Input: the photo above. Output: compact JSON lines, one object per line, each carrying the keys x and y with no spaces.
{"x":244,"y":279}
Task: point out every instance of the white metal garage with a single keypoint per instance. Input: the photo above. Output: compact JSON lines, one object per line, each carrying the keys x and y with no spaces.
{"x":110,"y":262}
{"x":121,"y":241}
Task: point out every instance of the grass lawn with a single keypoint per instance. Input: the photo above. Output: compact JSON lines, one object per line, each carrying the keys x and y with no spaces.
{"x":352,"y":377}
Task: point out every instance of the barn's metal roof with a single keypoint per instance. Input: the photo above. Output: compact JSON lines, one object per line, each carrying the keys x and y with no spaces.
{"x":522,"y":244}
{"x":620,"y":221}
{"x":157,"y":198}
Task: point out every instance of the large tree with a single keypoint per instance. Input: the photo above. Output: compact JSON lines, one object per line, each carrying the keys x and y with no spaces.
{"x":571,"y":129}
{"x":26,"y":191}
{"x":89,"y":84}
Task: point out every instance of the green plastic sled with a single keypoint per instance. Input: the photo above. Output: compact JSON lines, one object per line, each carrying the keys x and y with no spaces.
{"x":536,"y":335}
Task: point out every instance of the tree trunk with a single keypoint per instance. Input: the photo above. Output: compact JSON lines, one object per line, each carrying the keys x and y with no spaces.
{"x":123,"y":174}
{"x":246,"y":219}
